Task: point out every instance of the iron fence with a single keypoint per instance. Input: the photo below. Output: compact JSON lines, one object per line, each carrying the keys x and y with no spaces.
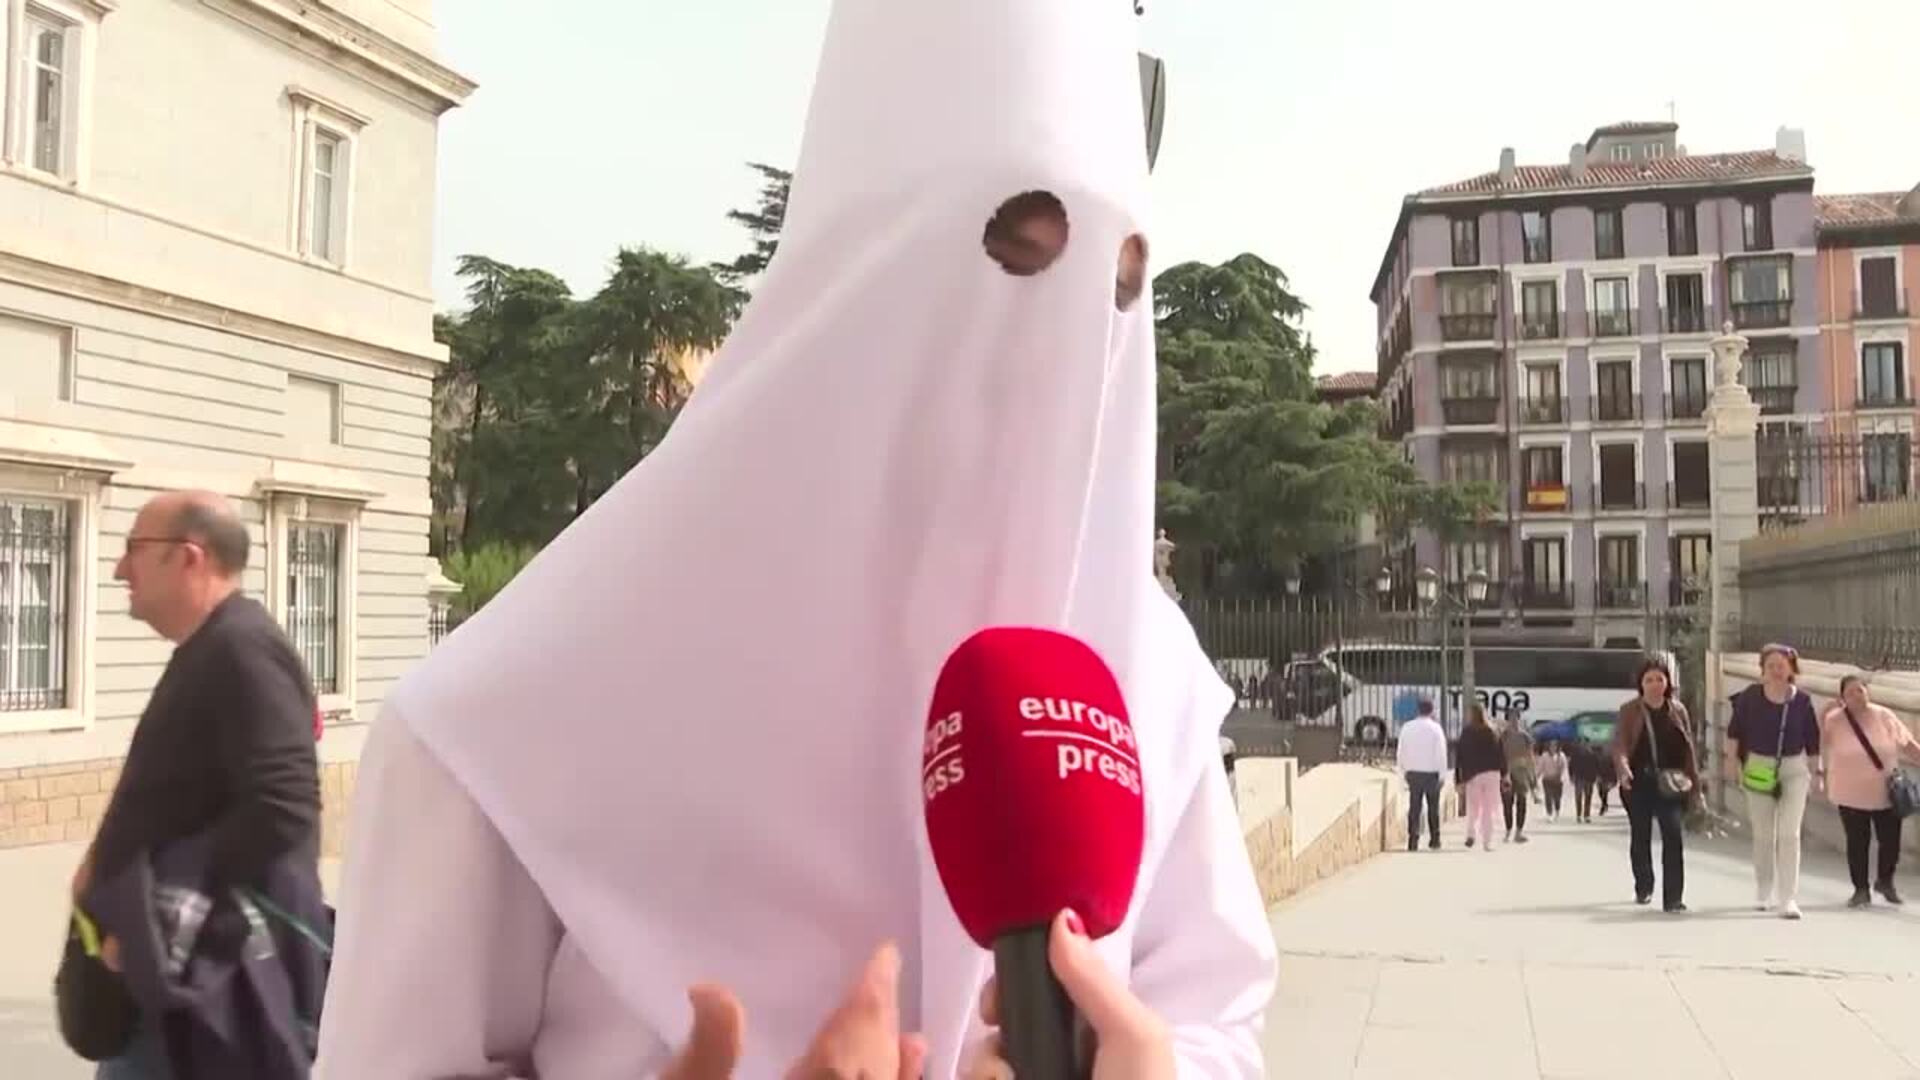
{"x":1270,"y":650}
{"x":1805,"y":476}
{"x":1881,"y":648}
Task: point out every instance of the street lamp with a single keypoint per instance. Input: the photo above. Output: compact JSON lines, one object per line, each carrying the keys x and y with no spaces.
{"x":1433,"y":597}
{"x":1293,"y":580}
{"x":1383,"y":581}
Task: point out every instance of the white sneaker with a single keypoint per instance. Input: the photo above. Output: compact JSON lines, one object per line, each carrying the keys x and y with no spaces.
{"x":1790,"y":911}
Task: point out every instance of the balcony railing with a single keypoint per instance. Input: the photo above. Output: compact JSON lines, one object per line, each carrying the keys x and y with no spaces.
{"x":1618,"y":496}
{"x":1470,"y":410}
{"x":1880,"y":307}
{"x":1689,"y":496}
{"x":1536,"y":594}
{"x":1686,"y":406}
{"x":1539,"y":326}
{"x":1613,"y":323}
{"x":1685,"y":592}
{"x":1774,"y":400}
{"x":1619,"y":594}
{"x":1613,"y":408}
{"x":1762,"y":314}
{"x":1893,"y":399}
{"x":1538,"y":412}
{"x":1547,"y":499}
{"x":1471,"y":327}
{"x":1686,"y":320}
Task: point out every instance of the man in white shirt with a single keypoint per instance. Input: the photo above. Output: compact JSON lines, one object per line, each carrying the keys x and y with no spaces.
{"x":1423,"y":758}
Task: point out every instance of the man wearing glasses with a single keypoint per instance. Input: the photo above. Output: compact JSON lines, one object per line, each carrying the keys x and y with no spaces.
{"x":224,"y":751}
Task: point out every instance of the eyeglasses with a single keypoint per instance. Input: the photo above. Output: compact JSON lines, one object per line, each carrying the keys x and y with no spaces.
{"x":1787,"y":651}
{"x":135,"y":541}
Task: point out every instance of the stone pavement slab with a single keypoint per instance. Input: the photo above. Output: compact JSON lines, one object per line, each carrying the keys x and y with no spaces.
{"x":1532,"y":961}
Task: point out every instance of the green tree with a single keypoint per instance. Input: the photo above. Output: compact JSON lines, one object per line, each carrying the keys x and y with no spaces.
{"x":1254,"y":470}
{"x":763,"y":223}
{"x":547,"y":401}
{"x":629,"y":380}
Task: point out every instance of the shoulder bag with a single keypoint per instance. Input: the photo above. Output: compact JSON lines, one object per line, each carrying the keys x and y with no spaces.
{"x":1762,"y":774}
{"x":1902,"y":790}
{"x":96,"y":1012}
{"x":1672,"y":783}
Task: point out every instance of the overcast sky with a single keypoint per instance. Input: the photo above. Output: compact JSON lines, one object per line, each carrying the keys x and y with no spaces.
{"x":1294,"y":126}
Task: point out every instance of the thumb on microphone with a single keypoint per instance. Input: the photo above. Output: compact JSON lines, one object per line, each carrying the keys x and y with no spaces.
{"x":719,"y":1031}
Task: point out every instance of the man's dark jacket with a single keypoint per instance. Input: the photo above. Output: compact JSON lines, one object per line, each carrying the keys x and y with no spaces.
{"x":232,"y":977}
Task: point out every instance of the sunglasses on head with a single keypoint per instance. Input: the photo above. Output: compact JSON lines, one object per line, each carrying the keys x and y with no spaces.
{"x":1784,"y":650}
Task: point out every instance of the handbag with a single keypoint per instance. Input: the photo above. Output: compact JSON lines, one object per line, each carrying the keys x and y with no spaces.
{"x":1902,"y":790}
{"x":1672,"y":783}
{"x":97,"y":1014}
{"x":1762,"y":775}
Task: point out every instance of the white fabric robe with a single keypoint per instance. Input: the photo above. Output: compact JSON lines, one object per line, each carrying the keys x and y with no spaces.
{"x":684,"y":745}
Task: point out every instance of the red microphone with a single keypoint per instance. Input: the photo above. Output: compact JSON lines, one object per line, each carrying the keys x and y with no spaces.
{"x":1030,"y":778}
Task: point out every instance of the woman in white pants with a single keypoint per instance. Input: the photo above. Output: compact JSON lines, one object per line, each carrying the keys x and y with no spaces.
{"x":1775,"y":759}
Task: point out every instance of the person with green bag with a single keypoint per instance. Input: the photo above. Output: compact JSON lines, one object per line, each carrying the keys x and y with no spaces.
{"x":1775,"y":739}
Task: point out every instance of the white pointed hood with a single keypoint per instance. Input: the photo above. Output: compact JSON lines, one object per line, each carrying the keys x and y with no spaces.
{"x":697,"y":716}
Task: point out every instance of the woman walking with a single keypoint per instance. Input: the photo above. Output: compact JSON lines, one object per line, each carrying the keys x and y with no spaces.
{"x":1659,"y":772}
{"x":1583,"y":765}
{"x":1776,"y":743}
{"x":1480,"y":768}
{"x":1553,"y":778}
{"x":1862,"y":744}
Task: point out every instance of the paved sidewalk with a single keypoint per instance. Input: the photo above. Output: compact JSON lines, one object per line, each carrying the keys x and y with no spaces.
{"x":1531,"y":961}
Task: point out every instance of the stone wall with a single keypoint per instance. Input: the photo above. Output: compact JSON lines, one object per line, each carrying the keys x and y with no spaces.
{"x":49,"y":804}
{"x":1304,"y":828}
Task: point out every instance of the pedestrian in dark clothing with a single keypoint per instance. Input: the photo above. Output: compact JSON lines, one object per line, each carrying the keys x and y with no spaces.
{"x":1652,"y":738}
{"x":1583,"y":766}
{"x":224,"y":749}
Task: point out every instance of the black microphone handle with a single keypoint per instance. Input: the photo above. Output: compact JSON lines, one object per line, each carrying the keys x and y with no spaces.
{"x":1041,"y":1034}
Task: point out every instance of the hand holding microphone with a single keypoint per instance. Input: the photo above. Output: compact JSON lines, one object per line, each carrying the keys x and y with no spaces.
{"x":1134,"y":1044}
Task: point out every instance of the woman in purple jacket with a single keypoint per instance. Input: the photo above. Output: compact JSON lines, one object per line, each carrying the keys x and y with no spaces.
{"x":1776,"y":755}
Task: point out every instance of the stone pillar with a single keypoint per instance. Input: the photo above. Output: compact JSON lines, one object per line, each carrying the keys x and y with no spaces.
{"x":1733,"y":481}
{"x":1733,"y":426}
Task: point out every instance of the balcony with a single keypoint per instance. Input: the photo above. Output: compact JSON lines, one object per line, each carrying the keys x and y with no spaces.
{"x":1540,"y":326}
{"x":1774,"y":400}
{"x":1543,"y":412}
{"x":1553,"y":595}
{"x":1470,"y":410}
{"x":1477,"y":326}
{"x":1762,"y":314}
{"x":1689,"y":495}
{"x":1889,"y":399}
{"x":1686,"y":406}
{"x":1617,"y":496}
{"x":1613,"y":323}
{"x":1547,"y":499}
{"x":1685,"y":592}
{"x":1877,"y":306}
{"x":1620,"y":594}
{"x":1686,"y":320}
{"x":1614,"y":408}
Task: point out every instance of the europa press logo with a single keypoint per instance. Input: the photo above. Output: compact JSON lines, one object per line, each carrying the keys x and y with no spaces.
{"x":1030,"y":767}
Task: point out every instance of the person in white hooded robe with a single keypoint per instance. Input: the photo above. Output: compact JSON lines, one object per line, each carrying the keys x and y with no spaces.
{"x":683,"y":746}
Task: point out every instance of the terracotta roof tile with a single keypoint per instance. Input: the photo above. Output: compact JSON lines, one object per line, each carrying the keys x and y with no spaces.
{"x":1875,"y":208}
{"x":1691,"y":168}
{"x":1348,"y":381}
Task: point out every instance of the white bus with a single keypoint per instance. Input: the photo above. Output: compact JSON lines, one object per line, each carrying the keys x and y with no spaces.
{"x":1368,"y":691}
